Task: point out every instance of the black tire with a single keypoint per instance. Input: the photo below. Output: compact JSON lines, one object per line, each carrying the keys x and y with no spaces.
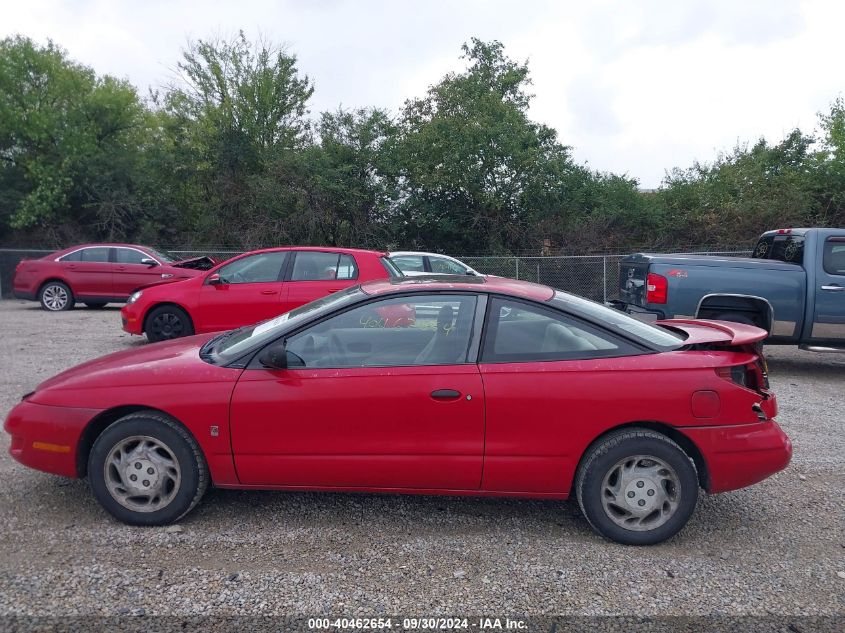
{"x":624,"y":446}
{"x":56,"y":296}
{"x":175,"y":500}
{"x":95,"y":305}
{"x":167,"y":322}
{"x":735,"y":317}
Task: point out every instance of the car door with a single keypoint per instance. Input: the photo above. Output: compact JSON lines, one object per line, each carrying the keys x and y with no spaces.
{"x":88,"y":271}
{"x":315,"y":274}
{"x":549,"y":379}
{"x":829,"y":310}
{"x":244,"y":291}
{"x":130,"y":273}
{"x":364,"y":404}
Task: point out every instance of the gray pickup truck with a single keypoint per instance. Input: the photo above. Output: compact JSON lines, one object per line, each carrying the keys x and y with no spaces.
{"x":793,"y":285}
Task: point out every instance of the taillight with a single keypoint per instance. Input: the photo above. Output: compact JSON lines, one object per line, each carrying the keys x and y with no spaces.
{"x":737,"y":374}
{"x":657,"y":288}
{"x":751,"y":376}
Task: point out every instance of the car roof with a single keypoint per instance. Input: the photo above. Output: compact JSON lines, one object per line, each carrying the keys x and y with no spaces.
{"x":104,"y":245}
{"x":325,"y":249}
{"x":502,"y":285}
{"x":424,"y":253}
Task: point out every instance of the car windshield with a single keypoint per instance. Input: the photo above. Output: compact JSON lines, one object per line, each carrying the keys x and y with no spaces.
{"x":163,"y":256}
{"x":229,"y":346}
{"x":615,"y":320}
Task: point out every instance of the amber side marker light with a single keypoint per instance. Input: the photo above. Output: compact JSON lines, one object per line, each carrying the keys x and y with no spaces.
{"x":51,"y":448}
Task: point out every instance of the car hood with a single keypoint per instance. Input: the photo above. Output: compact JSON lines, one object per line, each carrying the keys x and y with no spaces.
{"x":705,"y":331}
{"x":169,"y":362}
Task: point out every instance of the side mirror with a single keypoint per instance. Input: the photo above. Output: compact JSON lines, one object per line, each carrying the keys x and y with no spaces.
{"x":149,"y":262}
{"x":471,"y":273}
{"x":214,"y":280}
{"x":274,"y":356}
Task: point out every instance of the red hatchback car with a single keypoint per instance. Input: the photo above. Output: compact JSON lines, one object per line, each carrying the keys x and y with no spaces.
{"x":97,"y":274}
{"x":249,"y":288}
{"x":496,"y":387}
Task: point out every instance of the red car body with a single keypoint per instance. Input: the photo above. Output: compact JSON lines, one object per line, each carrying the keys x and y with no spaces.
{"x":213,"y":304}
{"x":102,"y":273}
{"x":515,"y":428}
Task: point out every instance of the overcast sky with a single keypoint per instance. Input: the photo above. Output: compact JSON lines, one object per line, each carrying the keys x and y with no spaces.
{"x":634,"y":86}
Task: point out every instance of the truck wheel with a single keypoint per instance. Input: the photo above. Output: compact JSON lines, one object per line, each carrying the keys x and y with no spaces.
{"x":735,"y":317}
{"x":55,"y":296}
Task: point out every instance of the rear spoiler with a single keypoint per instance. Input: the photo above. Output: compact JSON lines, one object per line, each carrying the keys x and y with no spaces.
{"x":706,"y":331}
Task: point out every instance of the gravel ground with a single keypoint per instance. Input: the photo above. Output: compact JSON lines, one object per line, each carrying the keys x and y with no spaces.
{"x":775,"y":548}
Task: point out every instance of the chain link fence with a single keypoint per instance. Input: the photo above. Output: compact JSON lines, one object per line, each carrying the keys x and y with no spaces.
{"x":595,"y":276}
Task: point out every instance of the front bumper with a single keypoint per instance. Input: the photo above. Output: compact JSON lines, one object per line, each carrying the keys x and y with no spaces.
{"x":741,"y":455}
{"x":132,"y":320}
{"x":46,"y":437}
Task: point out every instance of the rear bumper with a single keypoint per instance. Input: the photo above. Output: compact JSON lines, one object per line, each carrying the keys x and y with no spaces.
{"x":741,"y":455}
{"x":45,"y":437}
{"x":646,"y":314}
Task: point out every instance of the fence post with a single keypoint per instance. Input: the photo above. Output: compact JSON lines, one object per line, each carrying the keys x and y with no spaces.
{"x":516,"y":259}
{"x":604,"y":276}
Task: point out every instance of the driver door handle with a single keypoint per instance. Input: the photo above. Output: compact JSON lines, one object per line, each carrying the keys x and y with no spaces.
{"x":445,"y":394}
{"x":834,"y":288}
{"x":269,"y":292}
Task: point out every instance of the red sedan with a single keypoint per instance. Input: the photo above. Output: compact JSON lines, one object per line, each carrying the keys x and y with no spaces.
{"x":497,"y":387}
{"x":97,"y":274}
{"x":250,"y":288}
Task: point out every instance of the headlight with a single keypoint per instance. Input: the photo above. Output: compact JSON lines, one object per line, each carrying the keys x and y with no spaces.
{"x":135,"y":296}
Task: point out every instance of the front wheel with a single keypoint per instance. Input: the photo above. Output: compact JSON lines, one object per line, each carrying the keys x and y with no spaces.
{"x":145,"y":469}
{"x":56,"y":296}
{"x":637,"y":487}
{"x":168,"y":322}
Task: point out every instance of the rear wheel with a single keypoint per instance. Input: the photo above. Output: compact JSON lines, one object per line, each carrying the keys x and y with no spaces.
{"x":146,"y":469}
{"x":95,"y":305}
{"x":637,"y":487}
{"x":55,"y":296}
{"x":168,"y":322}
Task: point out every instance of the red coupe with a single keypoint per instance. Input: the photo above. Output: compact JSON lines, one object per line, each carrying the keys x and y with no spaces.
{"x":97,"y":274}
{"x":250,"y":288}
{"x":496,"y":387}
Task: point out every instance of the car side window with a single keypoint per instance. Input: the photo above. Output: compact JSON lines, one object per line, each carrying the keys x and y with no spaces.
{"x":833,"y":256}
{"x":442,"y":265}
{"x":318,"y":266}
{"x":520,"y":332}
{"x":260,"y":268}
{"x":97,"y":254}
{"x":409,"y":263}
{"x":130,"y":256}
{"x":75,"y":256}
{"x":402,"y":331}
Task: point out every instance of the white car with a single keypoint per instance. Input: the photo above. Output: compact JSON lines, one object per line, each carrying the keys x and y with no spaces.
{"x":415,"y":263}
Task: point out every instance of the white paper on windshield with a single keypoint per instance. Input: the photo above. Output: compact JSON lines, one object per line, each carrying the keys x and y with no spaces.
{"x":269,"y":325}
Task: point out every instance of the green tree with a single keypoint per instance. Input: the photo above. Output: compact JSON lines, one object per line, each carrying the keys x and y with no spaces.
{"x":70,"y":144}
{"x":240,"y":106}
